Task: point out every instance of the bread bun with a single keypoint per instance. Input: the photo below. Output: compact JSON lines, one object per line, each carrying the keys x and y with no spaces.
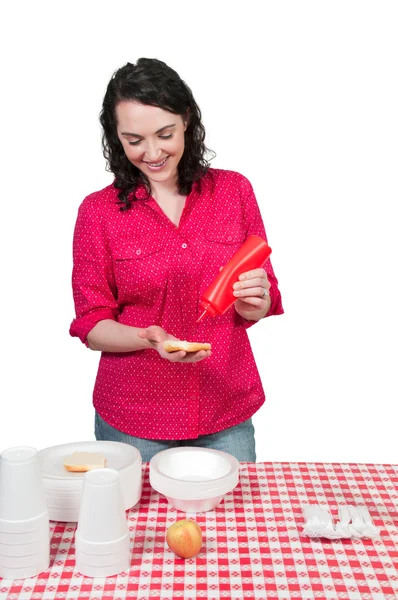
{"x":176,"y":345}
{"x":80,"y":462}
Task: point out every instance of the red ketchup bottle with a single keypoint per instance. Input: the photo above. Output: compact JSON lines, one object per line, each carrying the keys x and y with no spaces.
{"x":218,"y":297}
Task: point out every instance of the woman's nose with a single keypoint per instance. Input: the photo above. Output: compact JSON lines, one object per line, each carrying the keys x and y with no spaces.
{"x":152,"y":152}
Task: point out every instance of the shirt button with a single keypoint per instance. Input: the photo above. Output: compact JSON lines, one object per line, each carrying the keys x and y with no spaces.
{"x":229,"y":238}
{"x":138,"y":252}
{"x":184,"y":245}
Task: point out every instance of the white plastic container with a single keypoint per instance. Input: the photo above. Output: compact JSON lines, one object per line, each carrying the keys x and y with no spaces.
{"x":22,"y":495}
{"x":16,"y":550}
{"x":29,"y":562}
{"x":102,"y":535}
{"x":92,"y":563}
{"x":24,"y":569}
{"x":24,"y":530}
{"x":63,"y":489}
{"x":24,"y":522}
{"x":193,"y":479}
{"x":102,"y":517}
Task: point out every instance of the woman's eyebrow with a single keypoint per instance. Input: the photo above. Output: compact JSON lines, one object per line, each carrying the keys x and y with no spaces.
{"x":137,"y":135}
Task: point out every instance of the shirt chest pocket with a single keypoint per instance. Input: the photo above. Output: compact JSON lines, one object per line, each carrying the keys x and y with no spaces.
{"x":223,"y":241}
{"x":228,"y":233}
{"x":140,"y":267}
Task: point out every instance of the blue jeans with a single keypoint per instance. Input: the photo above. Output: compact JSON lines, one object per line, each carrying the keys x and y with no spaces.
{"x":237,"y":440}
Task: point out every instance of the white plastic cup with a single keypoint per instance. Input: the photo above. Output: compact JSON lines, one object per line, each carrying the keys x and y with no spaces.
{"x":23,"y":561}
{"x":102,"y":535}
{"x":101,"y":548}
{"x":120,"y":558}
{"x":24,"y":523}
{"x":39,"y":555}
{"x":18,"y":547}
{"x":25,"y":566}
{"x":19,"y":538}
{"x":102,"y":517}
{"x":21,"y":486}
{"x":102,"y":571}
{"x":27,"y":527}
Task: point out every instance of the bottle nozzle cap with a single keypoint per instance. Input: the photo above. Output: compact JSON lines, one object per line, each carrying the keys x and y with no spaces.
{"x":204,"y":313}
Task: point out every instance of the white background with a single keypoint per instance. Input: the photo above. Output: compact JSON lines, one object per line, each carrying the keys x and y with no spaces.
{"x":302,"y":99}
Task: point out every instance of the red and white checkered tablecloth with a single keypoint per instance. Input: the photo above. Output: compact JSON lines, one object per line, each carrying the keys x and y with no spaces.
{"x":252,"y":544}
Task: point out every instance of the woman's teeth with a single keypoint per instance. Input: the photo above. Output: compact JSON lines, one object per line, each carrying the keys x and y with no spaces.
{"x":157,"y":165}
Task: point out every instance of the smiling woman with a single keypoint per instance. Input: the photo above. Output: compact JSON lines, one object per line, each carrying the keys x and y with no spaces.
{"x":149,"y":116}
{"x":156,"y":154}
{"x":158,"y":147}
{"x":145,"y":249}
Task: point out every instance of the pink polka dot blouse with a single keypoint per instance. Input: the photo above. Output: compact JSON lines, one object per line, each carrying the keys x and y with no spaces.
{"x":138,"y":268}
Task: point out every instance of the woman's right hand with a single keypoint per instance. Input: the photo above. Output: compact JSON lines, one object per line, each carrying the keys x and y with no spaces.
{"x":155,"y":335}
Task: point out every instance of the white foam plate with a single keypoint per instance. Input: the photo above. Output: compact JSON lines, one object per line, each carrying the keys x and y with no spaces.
{"x":63,"y":489}
{"x":118,"y":456}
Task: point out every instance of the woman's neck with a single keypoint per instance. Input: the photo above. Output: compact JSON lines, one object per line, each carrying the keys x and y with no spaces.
{"x":162,"y":188}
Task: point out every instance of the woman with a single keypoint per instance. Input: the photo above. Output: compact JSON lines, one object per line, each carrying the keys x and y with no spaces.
{"x":145,"y":248}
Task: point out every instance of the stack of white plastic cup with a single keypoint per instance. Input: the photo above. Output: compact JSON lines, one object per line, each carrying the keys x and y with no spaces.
{"x":102,"y":535}
{"x":24,"y":523}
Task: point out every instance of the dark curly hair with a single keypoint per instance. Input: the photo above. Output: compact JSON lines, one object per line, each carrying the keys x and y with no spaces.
{"x":152,"y":82}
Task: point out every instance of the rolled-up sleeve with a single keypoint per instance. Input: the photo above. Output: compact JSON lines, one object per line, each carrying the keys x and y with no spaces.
{"x":255,"y":226}
{"x":93,"y":282}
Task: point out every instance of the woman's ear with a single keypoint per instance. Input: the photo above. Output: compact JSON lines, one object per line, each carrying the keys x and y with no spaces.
{"x":186,"y":118}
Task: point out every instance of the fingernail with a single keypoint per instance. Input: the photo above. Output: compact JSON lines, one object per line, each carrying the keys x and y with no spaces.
{"x":242,"y":277}
{"x":237,"y":286}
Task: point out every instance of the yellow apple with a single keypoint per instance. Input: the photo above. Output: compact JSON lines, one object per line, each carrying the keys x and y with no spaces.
{"x":184,"y":538}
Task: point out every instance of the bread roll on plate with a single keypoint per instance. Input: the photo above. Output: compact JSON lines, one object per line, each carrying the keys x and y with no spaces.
{"x":80,"y":462}
{"x":176,"y":345}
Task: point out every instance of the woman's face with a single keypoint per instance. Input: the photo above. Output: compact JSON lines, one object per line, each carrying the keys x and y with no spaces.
{"x":152,"y":138}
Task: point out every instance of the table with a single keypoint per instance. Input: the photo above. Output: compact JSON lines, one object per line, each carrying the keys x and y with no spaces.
{"x":253,"y":543}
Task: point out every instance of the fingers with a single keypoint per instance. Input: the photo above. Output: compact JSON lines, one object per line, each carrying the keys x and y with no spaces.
{"x":197,"y":356}
{"x":255,"y":292}
{"x":253,"y":300}
{"x":253,"y":284}
{"x":156,"y":335}
{"x":188,"y":357}
{"x":254,"y":274}
{"x":261,"y":282}
{"x":175,"y":356}
{"x":253,"y":288}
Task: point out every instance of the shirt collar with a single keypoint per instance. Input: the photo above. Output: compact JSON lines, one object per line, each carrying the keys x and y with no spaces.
{"x":142,"y":194}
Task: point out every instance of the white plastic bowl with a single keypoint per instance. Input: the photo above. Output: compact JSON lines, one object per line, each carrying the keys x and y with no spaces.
{"x":193,"y":479}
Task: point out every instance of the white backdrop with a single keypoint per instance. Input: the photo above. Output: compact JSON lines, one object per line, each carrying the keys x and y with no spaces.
{"x":302,"y":99}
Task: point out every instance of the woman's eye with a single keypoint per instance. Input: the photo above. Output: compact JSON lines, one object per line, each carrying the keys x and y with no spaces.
{"x":163,"y":137}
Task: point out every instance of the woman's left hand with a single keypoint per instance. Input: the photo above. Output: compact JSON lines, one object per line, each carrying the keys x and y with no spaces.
{"x":252,"y":293}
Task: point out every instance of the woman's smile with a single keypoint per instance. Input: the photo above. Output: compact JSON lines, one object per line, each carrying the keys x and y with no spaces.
{"x":156,"y":166}
{"x":153,"y":140}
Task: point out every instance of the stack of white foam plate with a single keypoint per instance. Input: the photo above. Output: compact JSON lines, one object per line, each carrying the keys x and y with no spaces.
{"x":63,"y":488}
